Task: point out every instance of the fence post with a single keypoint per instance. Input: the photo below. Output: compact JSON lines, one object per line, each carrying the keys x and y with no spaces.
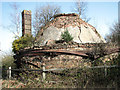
{"x":9,"y":72}
{"x":43,"y":74}
{"x":105,"y":71}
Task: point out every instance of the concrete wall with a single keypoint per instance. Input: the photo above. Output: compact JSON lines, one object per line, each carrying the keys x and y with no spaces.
{"x":51,"y":33}
{"x":85,"y":35}
{"x":81,"y":31}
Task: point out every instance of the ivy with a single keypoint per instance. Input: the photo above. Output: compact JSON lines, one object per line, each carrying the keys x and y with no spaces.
{"x":22,"y":42}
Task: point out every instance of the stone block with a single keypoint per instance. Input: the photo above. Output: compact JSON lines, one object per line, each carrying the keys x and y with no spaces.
{"x":27,"y":27}
{"x":27,"y":22}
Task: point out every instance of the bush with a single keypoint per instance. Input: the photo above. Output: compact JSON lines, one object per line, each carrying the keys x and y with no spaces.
{"x":7,"y":61}
{"x":66,"y":36}
{"x":22,"y":42}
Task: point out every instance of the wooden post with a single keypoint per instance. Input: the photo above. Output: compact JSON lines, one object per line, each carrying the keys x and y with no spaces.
{"x":105,"y":71}
{"x":43,"y":74}
{"x":9,"y":72}
{"x":1,"y":84}
{"x":0,"y":78}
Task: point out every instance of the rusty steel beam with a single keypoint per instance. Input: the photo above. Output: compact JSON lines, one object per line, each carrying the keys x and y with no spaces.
{"x":41,"y":52}
{"x":86,"y":54}
{"x":63,"y":51}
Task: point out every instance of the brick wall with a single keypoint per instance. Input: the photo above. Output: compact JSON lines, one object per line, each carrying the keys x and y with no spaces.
{"x":26,"y":22}
{"x":53,"y":60}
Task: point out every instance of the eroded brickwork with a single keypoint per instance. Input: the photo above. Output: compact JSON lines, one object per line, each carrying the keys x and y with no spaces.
{"x":56,"y":60}
{"x":26,"y":22}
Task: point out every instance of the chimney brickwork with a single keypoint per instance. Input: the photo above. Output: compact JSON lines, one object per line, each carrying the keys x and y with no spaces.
{"x":26,"y":22}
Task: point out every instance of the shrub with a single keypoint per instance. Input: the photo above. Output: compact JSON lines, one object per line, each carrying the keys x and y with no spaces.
{"x":66,"y":36}
{"x":7,"y":61}
{"x":22,"y":42}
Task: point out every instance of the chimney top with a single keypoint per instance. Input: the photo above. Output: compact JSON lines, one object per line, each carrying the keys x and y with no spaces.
{"x":26,"y":11}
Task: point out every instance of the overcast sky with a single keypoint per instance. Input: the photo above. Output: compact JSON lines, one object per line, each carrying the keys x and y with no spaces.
{"x":102,"y":14}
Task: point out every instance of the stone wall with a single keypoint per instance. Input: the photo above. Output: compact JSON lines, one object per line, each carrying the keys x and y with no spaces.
{"x":60,"y":60}
{"x":56,"y":60}
{"x":65,"y":61}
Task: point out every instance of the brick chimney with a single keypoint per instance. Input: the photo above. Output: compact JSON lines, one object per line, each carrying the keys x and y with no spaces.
{"x":26,"y":22}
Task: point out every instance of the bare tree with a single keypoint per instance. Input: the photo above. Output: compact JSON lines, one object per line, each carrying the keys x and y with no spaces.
{"x":14,"y":26}
{"x":15,"y":19}
{"x":80,"y":8}
{"x":114,"y":36}
{"x":44,"y":14}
